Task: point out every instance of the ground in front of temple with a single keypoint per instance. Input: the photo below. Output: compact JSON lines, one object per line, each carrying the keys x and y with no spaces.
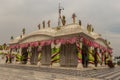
{"x":29,"y":72}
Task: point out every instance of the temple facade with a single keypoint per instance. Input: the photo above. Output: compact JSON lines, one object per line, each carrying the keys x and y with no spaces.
{"x":67,"y":45}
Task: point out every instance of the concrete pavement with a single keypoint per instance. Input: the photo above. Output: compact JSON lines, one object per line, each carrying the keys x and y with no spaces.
{"x":36,"y":72}
{"x":10,"y":73}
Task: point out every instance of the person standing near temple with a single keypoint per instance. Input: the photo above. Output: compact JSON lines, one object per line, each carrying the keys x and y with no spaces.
{"x":95,"y":57}
{"x":105,"y":59}
{"x":7,"y":57}
{"x":10,"y":58}
{"x":85,"y":55}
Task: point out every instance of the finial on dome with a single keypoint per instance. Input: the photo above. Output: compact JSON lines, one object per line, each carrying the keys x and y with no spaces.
{"x":74,"y":17}
{"x":49,"y":23}
{"x":20,"y":36}
{"x":12,"y":38}
{"x":63,"y":20}
{"x":89,"y":28}
{"x":39,"y":26}
{"x":80,"y":22}
{"x":23,"y":31}
{"x":43,"y":24}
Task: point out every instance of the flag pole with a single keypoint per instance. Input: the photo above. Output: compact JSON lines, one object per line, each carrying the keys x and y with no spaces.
{"x":59,"y":12}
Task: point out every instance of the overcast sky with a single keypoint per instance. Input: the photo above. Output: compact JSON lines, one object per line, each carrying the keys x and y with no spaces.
{"x":104,"y":15}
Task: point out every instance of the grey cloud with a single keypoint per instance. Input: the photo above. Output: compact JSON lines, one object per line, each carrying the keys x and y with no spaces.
{"x":115,"y":28}
{"x":104,"y":15}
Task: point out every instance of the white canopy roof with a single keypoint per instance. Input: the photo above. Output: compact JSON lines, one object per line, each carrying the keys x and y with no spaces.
{"x":49,"y":33}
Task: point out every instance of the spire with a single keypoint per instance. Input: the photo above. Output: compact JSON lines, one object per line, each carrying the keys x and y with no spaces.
{"x":48,"y":23}
{"x":59,"y":11}
{"x":43,"y":24}
{"x":74,"y":17}
{"x":38,"y":26}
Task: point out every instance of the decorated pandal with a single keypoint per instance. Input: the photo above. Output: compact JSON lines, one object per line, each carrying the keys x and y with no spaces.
{"x":67,"y":45}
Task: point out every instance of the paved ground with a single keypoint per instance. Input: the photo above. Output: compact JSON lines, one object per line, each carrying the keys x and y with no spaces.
{"x":8,"y":72}
{"x":20,"y":72}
